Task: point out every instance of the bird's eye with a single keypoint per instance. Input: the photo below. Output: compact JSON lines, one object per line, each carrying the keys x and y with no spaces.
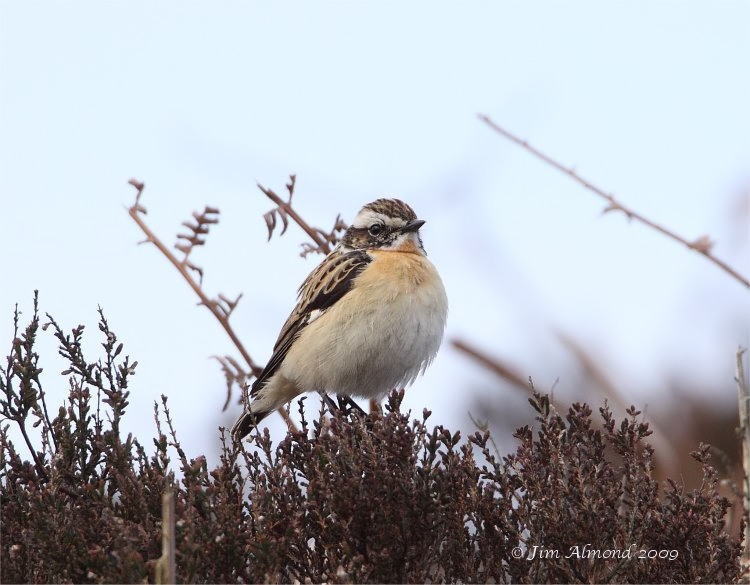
{"x":375,"y":229}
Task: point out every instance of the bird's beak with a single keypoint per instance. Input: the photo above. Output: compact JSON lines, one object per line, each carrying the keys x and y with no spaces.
{"x":412,"y":226}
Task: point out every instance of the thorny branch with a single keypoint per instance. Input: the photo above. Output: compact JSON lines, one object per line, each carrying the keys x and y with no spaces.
{"x":221,"y":308}
{"x":702,"y":245}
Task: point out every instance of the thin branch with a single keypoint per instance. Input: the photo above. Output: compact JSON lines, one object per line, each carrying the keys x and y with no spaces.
{"x":702,"y":245}
{"x":228,"y":305}
{"x":492,"y":363}
{"x":135,"y":213}
{"x":233,"y":374}
{"x":323,"y":240}
{"x":331,"y":238}
{"x":743,"y":394}
{"x":165,"y":565}
{"x":220,"y":312}
{"x":37,"y":463}
{"x":593,"y":372}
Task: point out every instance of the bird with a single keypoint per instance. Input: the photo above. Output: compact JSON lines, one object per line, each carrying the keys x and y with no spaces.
{"x":369,"y":318}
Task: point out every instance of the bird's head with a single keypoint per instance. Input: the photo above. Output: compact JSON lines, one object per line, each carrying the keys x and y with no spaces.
{"x":385,"y":224}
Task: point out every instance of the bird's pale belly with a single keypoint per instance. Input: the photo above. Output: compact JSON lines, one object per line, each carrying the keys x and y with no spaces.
{"x":385,"y":333}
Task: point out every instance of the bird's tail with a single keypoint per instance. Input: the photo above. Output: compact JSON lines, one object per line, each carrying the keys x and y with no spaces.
{"x":247,"y":422}
{"x":267,"y":396}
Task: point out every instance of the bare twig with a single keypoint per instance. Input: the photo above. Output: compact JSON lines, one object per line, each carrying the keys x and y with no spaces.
{"x":135,"y":212}
{"x":197,"y":237}
{"x":226,"y":305}
{"x":493,"y":364}
{"x":331,"y":238}
{"x":165,"y":566}
{"x":703,"y":245}
{"x":234,"y":373}
{"x":221,"y":311}
{"x":743,"y":394}
{"x":323,"y":240}
{"x":595,"y":374}
{"x":592,"y":370}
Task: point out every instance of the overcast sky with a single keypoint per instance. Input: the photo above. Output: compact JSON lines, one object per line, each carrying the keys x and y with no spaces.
{"x":201,"y":100}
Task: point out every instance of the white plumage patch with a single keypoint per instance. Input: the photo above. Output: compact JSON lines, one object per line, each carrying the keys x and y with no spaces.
{"x":367,"y":217}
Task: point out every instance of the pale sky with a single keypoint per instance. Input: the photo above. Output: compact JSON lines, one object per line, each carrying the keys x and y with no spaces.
{"x":201,"y":100}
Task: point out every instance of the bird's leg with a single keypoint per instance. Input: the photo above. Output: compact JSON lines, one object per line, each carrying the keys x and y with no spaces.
{"x":329,"y":402}
{"x":346,"y":402}
{"x":347,"y":405}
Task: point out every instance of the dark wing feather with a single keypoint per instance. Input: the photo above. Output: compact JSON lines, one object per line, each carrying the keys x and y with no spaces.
{"x":325,"y":285}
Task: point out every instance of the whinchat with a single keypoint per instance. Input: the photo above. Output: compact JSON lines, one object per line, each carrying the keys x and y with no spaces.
{"x":369,"y":318}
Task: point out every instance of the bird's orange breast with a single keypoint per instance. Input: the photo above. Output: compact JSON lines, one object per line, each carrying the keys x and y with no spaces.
{"x":405,"y":269}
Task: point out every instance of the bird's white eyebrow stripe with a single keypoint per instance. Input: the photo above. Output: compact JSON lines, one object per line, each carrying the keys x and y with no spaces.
{"x":367,"y":217}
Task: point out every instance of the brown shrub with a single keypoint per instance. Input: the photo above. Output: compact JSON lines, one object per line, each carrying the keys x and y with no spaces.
{"x":387,"y":499}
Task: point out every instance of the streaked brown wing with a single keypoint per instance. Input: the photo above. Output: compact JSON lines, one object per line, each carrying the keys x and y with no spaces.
{"x":325,"y":285}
